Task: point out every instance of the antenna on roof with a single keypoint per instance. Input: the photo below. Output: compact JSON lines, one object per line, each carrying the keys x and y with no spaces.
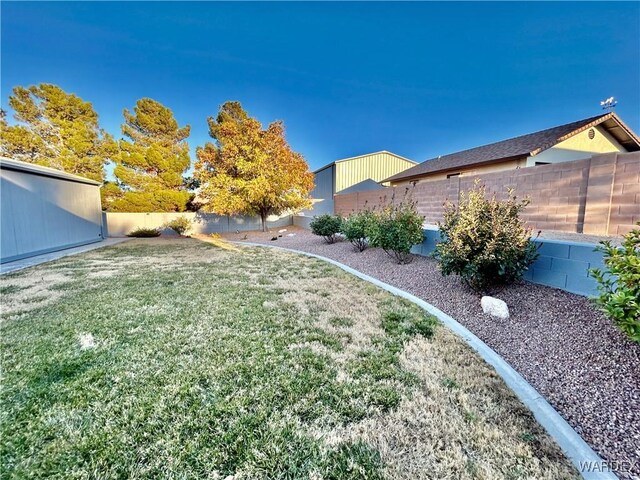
{"x":608,"y":104}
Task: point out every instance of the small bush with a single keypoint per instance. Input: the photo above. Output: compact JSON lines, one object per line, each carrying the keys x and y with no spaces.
{"x":144,"y":233}
{"x":484,"y":240}
{"x":180,"y":225}
{"x":619,"y":283}
{"x":357,"y":227}
{"x":326,"y":226}
{"x":396,"y":229}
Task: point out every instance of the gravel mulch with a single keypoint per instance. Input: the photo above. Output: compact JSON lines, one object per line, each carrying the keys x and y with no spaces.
{"x":566,"y":349}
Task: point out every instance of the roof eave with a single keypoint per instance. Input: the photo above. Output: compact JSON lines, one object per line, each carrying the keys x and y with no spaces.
{"x":397,"y":178}
{"x":376,"y":153}
{"x":604,"y":118}
{"x":35,"y":169}
{"x":630,"y":133}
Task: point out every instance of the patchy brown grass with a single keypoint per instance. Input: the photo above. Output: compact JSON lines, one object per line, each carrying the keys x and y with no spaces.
{"x":461,"y":423}
{"x":454,"y":417}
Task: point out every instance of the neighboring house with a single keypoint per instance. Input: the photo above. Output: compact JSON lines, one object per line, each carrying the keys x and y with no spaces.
{"x":574,"y":141}
{"x":43,"y":210}
{"x":361,"y":172}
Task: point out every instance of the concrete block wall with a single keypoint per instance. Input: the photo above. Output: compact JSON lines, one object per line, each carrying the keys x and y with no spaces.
{"x":302,"y":221}
{"x":598,"y":195}
{"x":565,"y":265}
{"x":561,"y":264}
{"x":625,"y":195}
{"x":117,"y":224}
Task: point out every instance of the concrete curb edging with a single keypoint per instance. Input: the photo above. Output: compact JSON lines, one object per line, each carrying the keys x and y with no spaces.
{"x":573,"y":446}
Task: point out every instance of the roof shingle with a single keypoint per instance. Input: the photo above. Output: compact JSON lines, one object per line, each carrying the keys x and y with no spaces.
{"x":525,"y":145}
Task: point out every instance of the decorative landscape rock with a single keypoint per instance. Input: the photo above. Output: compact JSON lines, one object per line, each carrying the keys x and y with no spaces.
{"x":494,"y":307}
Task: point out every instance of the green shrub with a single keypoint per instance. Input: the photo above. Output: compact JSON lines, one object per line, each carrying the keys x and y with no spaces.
{"x":357,"y":227}
{"x":484,"y":240}
{"x":397,"y":228}
{"x":619,"y":283}
{"x":326,"y":226}
{"x":144,"y":232}
{"x":180,"y":225}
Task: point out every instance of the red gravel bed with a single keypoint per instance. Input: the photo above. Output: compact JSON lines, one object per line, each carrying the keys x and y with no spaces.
{"x":567,"y":350}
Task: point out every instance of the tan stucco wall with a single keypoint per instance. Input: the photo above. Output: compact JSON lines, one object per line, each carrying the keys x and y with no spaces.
{"x":476,"y":170}
{"x":377,"y":166}
{"x":574,"y":148}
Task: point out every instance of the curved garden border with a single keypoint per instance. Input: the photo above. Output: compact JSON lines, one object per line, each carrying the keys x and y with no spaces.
{"x":573,"y":446}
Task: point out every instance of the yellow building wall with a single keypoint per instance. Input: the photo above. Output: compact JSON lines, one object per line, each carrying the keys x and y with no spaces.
{"x":577,"y":147}
{"x":377,"y":166}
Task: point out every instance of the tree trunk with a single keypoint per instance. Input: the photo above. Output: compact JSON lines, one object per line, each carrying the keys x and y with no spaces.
{"x":263,"y":217}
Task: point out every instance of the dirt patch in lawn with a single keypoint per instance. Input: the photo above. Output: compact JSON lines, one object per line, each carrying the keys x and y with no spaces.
{"x":413,"y":440}
{"x":23,"y":292}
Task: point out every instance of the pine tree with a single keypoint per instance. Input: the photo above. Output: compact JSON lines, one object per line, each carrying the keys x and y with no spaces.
{"x":55,"y":129}
{"x":248,"y":170}
{"x":151,"y":163}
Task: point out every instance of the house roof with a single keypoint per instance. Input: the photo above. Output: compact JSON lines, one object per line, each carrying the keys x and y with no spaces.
{"x":525,"y":145}
{"x":361,"y":156}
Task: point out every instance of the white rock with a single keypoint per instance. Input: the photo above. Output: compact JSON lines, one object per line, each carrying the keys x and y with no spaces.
{"x":86,"y":341}
{"x":282,"y":231}
{"x":494,"y":307}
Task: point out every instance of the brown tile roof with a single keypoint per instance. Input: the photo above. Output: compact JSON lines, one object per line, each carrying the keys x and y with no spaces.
{"x":525,"y":145}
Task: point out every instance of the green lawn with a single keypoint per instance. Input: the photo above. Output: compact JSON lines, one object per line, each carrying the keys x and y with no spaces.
{"x":180,"y":359}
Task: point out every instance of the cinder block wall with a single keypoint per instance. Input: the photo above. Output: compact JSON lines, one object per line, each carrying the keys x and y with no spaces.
{"x":599,"y":195}
{"x":302,"y":221}
{"x":561,"y":264}
{"x":119,"y":224}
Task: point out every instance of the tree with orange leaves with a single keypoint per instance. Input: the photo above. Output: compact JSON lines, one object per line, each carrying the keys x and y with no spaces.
{"x":250,"y":170}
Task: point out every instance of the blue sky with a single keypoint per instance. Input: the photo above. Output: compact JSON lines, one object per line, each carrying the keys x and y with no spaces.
{"x":418,"y":79}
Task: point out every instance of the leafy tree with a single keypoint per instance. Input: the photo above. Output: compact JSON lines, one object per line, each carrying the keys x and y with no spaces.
{"x":109,"y":194}
{"x":151,"y":163}
{"x":250,"y":170}
{"x":55,"y":129}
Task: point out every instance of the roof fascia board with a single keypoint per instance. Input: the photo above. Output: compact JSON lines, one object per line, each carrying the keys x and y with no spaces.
{"x":324,"y":168}
{"x":594,"y":123}
{"x":627,"y":130}
{"x":461,"y":169}
{"x":19,"y":166}
{"x":376,"y":153}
